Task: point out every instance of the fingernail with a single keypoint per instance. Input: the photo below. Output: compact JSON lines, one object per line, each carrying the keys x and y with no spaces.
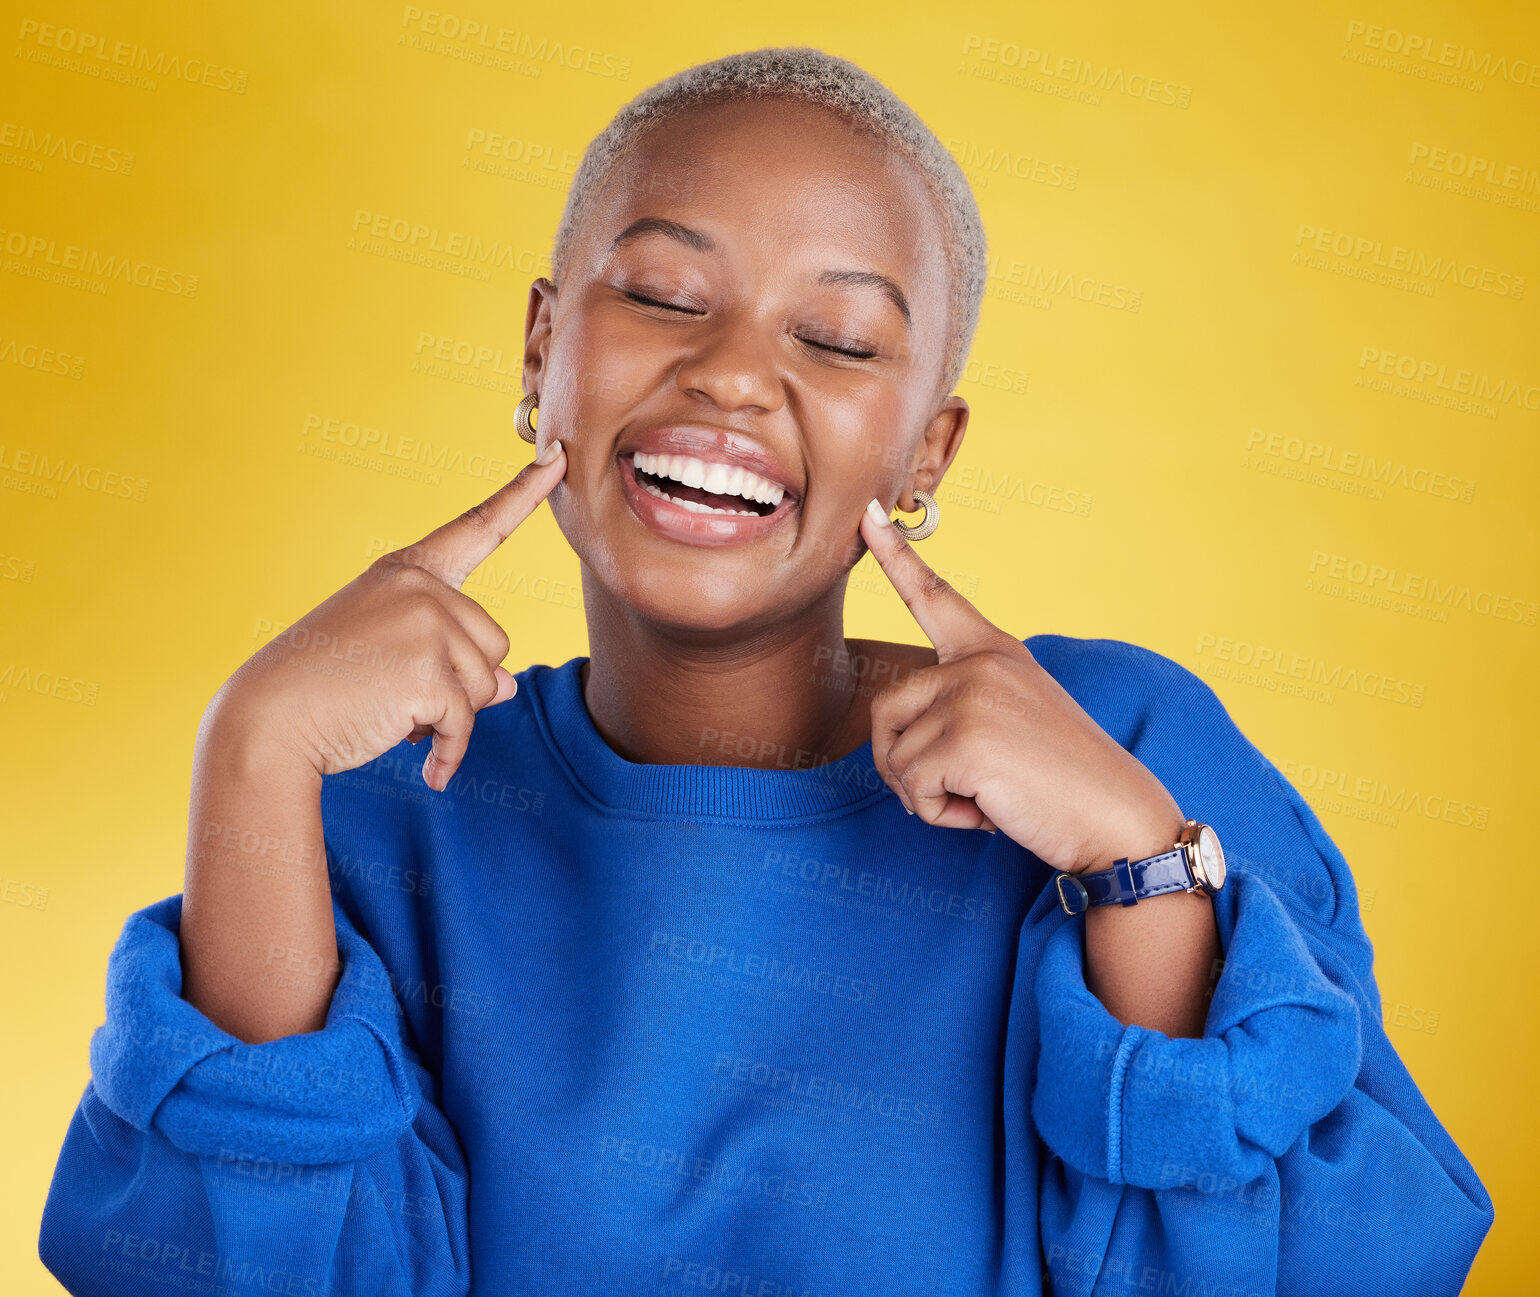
{"x":907,"y":809}
{"x":553,"y":448}
{"x":877,"y":513}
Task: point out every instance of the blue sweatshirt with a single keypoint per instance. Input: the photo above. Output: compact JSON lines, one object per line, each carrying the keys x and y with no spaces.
{"x":621,"y":1029}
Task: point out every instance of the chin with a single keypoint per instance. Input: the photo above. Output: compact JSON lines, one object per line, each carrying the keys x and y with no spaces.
{"x":703,"y":604}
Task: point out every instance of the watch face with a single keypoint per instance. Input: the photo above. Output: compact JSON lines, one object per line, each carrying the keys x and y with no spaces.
{"x":1212,"y":857}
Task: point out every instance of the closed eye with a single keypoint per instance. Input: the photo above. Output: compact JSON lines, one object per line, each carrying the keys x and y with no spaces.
{"x":644,"y":300}
{"x":840,"y":351}
{"x":666,"y":306}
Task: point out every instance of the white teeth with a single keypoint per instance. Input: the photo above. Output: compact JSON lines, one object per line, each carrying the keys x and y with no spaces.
{"x":695,"y":506}
{"x":720,"y":479}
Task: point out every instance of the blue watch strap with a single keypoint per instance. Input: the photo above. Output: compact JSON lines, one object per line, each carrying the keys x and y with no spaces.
{"x":1126,"y":883}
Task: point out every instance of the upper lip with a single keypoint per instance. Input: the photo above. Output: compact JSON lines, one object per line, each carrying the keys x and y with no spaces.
{"x":715,"y":445}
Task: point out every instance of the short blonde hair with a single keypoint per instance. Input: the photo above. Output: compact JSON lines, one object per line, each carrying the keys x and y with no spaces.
{"x":827,"y":81}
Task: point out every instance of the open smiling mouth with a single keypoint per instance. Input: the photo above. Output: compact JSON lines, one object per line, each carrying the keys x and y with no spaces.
{"x":701,"y":502}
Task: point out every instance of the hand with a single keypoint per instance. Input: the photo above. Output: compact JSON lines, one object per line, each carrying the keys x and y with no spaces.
{"x":399,"y":652}
{"x":988,"y":739}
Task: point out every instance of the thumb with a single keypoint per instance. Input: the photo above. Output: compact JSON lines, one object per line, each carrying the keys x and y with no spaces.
{"x":507,"y":686}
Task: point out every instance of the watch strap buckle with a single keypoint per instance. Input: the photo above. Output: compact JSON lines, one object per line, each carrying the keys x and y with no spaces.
{"x":1082,"y":897}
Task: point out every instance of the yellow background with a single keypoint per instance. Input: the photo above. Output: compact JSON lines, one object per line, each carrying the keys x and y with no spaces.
{"x":1139,"y":474}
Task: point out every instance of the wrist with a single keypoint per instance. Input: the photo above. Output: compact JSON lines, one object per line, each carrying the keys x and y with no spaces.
{"x":232,"y":741}
{"x":1143,"y":835}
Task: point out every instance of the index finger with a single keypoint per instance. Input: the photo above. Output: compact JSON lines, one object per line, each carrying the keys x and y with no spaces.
{"x":455,"y":550}
{"x":952,"y":624}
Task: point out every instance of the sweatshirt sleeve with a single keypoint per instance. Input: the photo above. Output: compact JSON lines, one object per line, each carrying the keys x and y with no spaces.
{"x":315,"y":1163}
{"x":1288,"y":1148}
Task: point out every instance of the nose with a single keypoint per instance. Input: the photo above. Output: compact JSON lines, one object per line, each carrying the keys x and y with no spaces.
{"x":733,"y":366}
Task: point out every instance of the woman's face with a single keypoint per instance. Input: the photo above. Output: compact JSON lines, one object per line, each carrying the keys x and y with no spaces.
{"x":724,"y":305}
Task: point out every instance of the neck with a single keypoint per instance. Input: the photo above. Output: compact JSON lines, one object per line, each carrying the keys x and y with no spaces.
{"x":778,"y":697}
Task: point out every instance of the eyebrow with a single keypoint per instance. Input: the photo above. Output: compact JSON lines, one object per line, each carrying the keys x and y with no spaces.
{"x":657,"y":225}
{"x":701,"y":242}
{"x":894,"y":293}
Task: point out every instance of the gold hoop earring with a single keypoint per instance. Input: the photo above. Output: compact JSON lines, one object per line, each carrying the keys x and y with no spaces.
{"x":928,"y":523}
{"x":521,"y":414}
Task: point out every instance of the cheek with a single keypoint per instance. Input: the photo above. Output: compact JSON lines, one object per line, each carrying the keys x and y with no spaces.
{"x":596,"y":376}
{"x":598,"y":371}
{"x":864,"y":453}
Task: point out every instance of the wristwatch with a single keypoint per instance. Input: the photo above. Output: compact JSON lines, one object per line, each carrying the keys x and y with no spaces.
{"x":1196,"y":863}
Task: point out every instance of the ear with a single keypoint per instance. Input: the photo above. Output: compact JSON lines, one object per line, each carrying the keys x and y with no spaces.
{"x":941,"y":442}
{"x":537,"y":331}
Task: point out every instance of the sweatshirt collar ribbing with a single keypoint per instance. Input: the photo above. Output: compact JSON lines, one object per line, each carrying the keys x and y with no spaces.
{"x":676,"y":792}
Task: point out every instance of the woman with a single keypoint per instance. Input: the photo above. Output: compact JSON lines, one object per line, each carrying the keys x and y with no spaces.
{"x":739,"y":956}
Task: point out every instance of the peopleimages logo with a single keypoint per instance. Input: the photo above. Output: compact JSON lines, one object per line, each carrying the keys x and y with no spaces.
{"x":93,"y":53}
{"x":682,"y":950}
{"x":1419,"y":587}
{"x":846,"y":1095}
{"x":1474,"y":167}
{"x":1304,"y":666}
{"x":1456,"y":382}
{"x":420,"y":237}
{"x":1443,"y":54}
{"x":1081,"y":73}
{"x":1375,"y":795}
{"x":65,"y":148}
{"x":482,"y":37}
{"x":1412,"y":261}
{"x":896,"y":892}
{"x":94,"y":264}
{"x":1349,"y":463}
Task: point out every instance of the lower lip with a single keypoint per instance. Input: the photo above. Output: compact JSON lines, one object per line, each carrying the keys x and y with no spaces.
{"x":681,"y":524}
